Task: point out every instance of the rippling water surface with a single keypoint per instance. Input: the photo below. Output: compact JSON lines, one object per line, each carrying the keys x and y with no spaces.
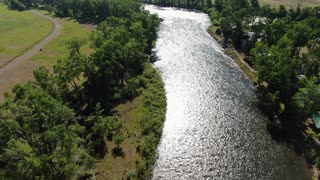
{"x":211,"y":130}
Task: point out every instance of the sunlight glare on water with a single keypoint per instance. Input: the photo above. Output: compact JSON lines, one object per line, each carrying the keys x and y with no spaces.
{"x":211,"y":130}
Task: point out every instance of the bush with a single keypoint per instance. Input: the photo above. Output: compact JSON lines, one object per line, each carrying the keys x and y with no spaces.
{"x":16,"y":4}
{"x":218,"y":32}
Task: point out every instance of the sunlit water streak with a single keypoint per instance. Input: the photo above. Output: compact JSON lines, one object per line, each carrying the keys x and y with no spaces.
{"x":211,"y":130}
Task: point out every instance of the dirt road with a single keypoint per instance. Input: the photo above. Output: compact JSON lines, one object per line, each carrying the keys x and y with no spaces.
{"x":20,"y":70}
{"x":36,"y":48}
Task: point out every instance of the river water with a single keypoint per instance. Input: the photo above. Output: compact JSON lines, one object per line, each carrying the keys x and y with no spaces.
{"x":212,"y":131}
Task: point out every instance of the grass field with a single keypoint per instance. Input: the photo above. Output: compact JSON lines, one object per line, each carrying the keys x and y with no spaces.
{"x":18,"y":27}
{"x":290,"y":3}
{"x":19,"y":31}
{"x":57,"y":48}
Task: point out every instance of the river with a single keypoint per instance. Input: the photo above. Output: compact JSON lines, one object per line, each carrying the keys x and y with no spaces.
{"x":212,"y":130}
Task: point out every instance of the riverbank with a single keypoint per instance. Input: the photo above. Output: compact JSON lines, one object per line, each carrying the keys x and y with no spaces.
{"x":142,"y":122}
{"x":297,"y":138}
{"x":237,"y":56}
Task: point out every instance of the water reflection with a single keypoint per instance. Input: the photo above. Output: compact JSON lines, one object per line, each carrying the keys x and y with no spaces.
{"x":211,"y":130}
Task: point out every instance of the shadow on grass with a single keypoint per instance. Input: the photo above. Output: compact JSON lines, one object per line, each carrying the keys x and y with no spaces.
{"x":118,"y":152}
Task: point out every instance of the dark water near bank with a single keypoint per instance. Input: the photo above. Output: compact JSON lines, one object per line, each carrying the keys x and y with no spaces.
{"x":211,"y":130}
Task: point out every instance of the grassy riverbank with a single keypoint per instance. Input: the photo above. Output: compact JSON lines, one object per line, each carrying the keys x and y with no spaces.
{"x":142,"y":121}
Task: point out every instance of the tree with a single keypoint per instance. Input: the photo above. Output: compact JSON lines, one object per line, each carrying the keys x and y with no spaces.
{"x":236,"y":4}
{"x":118,"y":139}
{"x":98,"y":127}
{"x":307,"y":99}
{"x":276,"y":68}
{"x":16,"y":4}
{"x":300,"y":35}
{"x":38,"y":138}
{"x":218,"y":4}
{"x":255,"y":3}
{"x":274,"y":31}
{"x":311,"y":64}
{"x":282,"y":11}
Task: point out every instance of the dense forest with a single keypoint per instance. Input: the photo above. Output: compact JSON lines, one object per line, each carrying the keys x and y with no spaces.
{"x":56,"y":126}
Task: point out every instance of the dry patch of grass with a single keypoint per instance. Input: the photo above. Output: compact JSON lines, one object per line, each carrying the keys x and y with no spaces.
{"x":17,"y":75}
{"x":290,"y":3}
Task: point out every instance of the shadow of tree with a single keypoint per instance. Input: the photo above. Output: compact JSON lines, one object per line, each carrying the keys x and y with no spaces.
{"x":118,"y":152}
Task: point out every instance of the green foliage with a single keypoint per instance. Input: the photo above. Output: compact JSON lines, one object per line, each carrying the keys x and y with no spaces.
{"x":300,"y":35}
{"x":236,"y":4}
{"x":187,"y":4}
{"x":307,"y":99}
{"x":278,"y":60}
{"x":311,"y":63}
{"x":118,"y":139}
{"x":16,"y":4}
{"x":95,"y":11}
{"x":214,"y":16}
{"x":255,"y":3}
{"x":98,"y":128}
{"x":282,"y":11}
{"x":276,"y":72}
{"x":38,"y":138}
{"x":152,"y":122}
{"x":318,"y":162}
{"x":53,"y":127}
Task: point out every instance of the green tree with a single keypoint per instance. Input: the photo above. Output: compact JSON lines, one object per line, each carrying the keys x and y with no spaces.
{"x":37,"y":137}
{"x":236,"y":4}
{"x":300,"y":35}
{"x":276,"y":68}
{"x":118,"y":140}
{"x":98,"y":127}
{"x":307,"y":98}
{"x":282,"y":11}
{"x":255,"y":3}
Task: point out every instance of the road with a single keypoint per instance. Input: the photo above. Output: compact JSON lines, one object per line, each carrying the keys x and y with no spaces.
{"x":27,"y":55}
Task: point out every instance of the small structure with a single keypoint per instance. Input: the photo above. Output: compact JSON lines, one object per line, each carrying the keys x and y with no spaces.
{"x":316,"y":119}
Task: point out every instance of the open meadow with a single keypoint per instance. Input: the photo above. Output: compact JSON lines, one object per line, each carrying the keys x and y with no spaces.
{"x":57,"y":48}
{"x":19,"y":31}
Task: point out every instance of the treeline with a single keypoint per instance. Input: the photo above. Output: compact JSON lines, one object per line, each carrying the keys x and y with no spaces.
{"x":83,"y":10}
{"x":187,"y":4}
{"x":56,"y":126}
{"x":204,"y":5}
{"x":151,"y":123}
